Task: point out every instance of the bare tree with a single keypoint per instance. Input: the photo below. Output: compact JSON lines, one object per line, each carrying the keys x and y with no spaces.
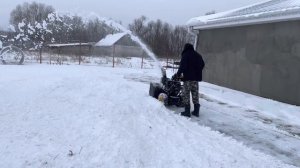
{"x":96,"y":30}
{"x":30,"y":13}
{"x":138,"y":26}
{"x":164,"y":40}
{"x":179,"y":37}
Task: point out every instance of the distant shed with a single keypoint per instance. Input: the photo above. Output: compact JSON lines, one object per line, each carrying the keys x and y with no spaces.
{"x":72,"y":48}
{"x":118,"y":45}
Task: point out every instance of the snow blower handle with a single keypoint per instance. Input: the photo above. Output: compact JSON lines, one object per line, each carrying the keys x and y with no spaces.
{"x":164,"y":76}
{"x":163,"y":72}
{"x":176,"y":77}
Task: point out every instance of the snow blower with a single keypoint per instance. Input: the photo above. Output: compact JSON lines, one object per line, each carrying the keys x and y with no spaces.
{"x":169,"y":91}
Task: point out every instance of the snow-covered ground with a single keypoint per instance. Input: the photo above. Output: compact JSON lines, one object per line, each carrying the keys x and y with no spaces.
{"x":94,"y":116}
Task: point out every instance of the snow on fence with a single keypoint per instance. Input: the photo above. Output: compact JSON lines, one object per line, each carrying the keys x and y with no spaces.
{"x":109,"y":61}
{"x":62,"y":59}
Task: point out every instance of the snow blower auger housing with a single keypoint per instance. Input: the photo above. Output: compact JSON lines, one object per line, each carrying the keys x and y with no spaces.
{"x":168,"y":90}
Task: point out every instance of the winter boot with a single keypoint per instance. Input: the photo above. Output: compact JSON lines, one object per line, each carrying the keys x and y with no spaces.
{"x":196,"y":110}
{"x":187,"y":112}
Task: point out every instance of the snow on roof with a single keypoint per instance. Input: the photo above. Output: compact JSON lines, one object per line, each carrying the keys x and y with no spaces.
{"x":69,"y":44}
{"x":264,"y":12}
{"x":110,"y":39}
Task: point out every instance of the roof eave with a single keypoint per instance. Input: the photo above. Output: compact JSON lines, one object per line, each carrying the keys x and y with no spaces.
{"x":246,"y":22}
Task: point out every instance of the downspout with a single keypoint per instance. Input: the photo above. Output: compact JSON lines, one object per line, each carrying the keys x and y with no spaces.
{"x":196,"y":34}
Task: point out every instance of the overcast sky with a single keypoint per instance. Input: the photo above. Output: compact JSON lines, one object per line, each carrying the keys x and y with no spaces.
{"x":173,"y":11}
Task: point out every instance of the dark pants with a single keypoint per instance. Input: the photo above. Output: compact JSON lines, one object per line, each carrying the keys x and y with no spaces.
{"x":190,"y":87}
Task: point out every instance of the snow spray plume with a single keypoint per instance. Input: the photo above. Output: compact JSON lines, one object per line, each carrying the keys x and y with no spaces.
{"x":119,"y":27}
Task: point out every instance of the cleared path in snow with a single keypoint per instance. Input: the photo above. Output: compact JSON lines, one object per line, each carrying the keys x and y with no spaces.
{"x":250,"y":127}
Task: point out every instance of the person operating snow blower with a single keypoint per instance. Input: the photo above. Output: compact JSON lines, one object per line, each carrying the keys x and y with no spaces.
{"x":190,"y":69}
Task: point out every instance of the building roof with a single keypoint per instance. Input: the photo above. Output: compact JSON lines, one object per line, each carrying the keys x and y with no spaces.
{"x":110,"y":39}
{"x":69,"y":45}
{"x":264,"y":12}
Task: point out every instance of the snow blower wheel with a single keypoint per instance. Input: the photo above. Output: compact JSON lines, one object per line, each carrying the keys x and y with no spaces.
{"x":12,"y":55}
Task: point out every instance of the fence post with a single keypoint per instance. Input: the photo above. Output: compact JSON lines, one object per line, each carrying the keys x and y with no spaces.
{"x":173,"y":65}
{"x":59,"y":61}
{"x":114,"y":56}
{"x":142,"y":62}
{"x":167,"y":62}
{"x":79,"y":53}
{"x":41,"y":55}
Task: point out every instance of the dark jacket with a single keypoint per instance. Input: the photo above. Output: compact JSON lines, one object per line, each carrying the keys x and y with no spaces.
{"x":191,"y":64}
